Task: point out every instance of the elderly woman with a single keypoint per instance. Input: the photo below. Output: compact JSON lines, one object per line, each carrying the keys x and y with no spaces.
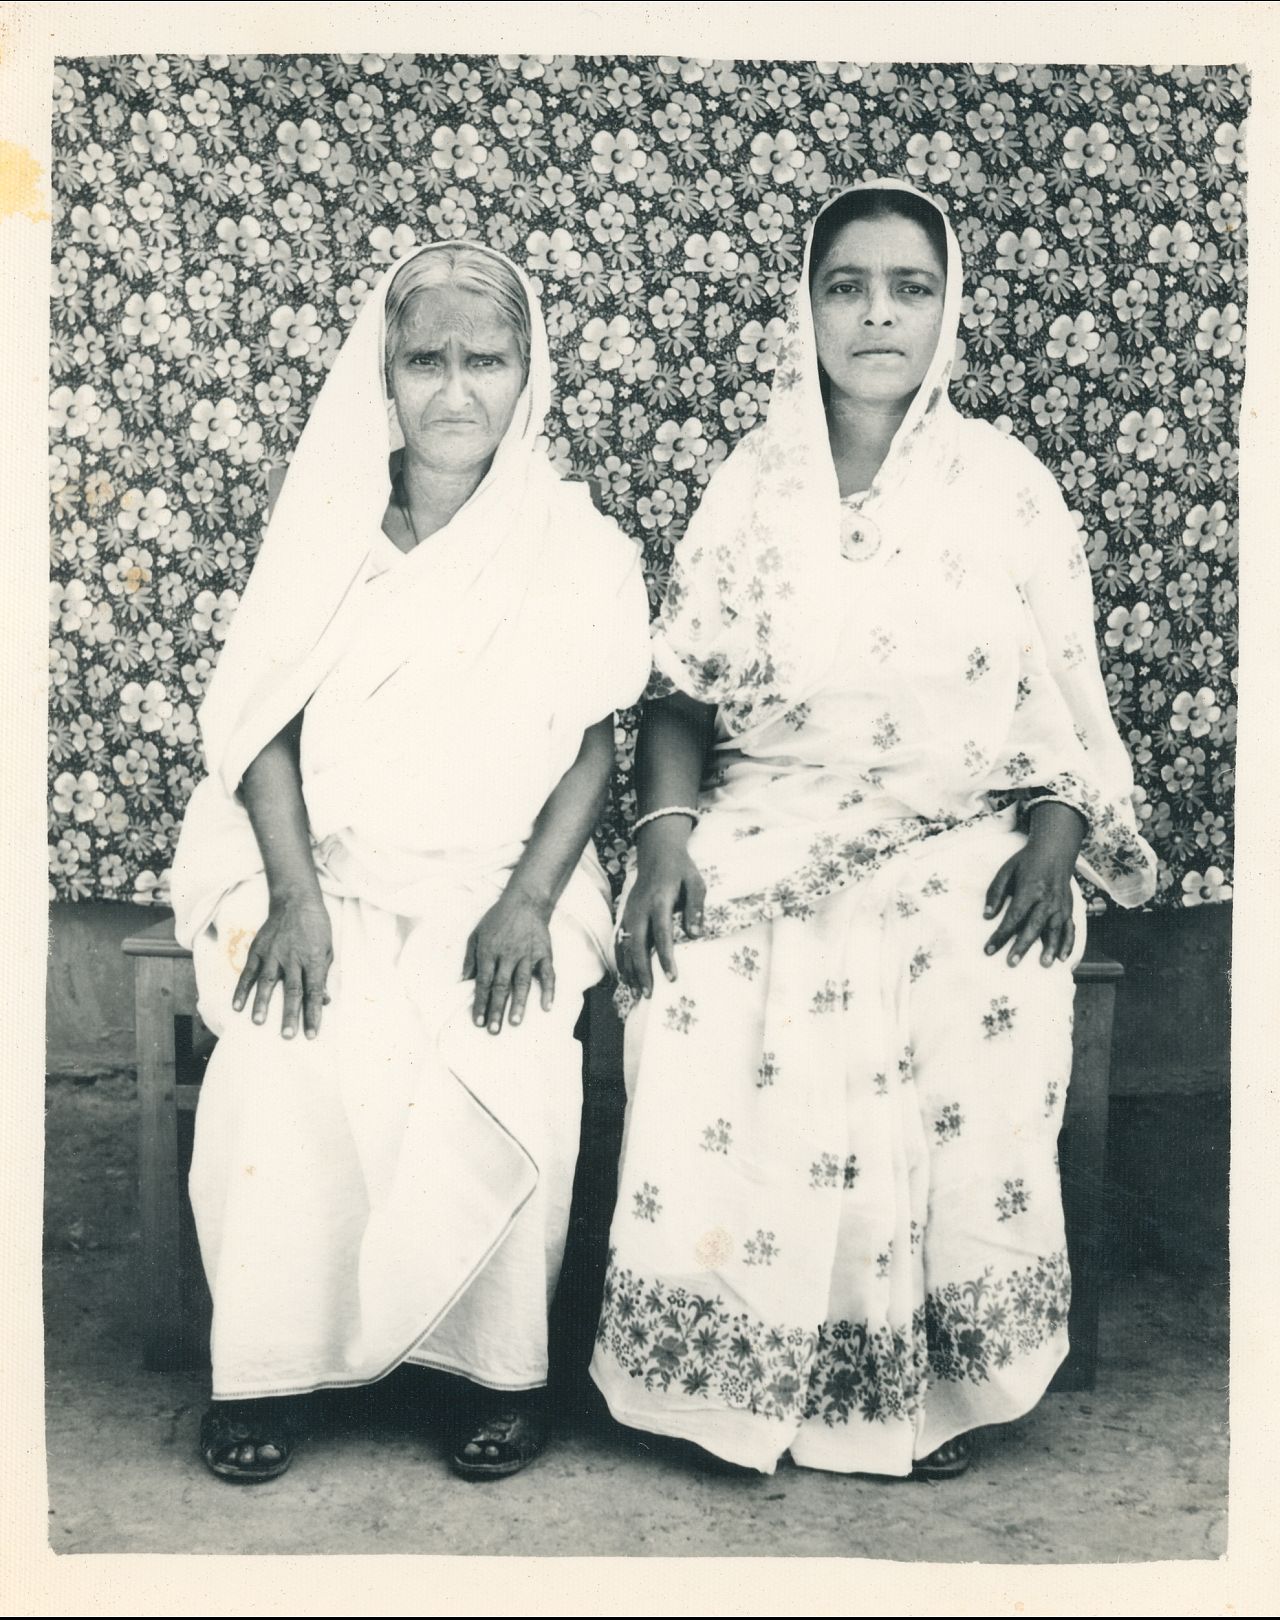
{"x":408,"y":738}
{"x":884,"y":746}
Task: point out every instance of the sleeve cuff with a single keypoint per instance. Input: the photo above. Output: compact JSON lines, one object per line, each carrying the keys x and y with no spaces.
{"x":1027,"y":805}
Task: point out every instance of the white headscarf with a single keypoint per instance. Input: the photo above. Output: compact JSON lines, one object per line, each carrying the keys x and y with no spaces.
{"x":756,"y":602}
{"x":527,"y":592}
{"x":327,"y":519}
{"x":767,"y":539}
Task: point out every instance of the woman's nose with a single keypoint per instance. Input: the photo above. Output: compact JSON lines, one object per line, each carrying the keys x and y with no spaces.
{"x":455,"y":384}
{"x":879,"y":310}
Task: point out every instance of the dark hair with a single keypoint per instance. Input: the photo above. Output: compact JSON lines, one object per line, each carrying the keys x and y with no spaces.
{"x":876,"y":204}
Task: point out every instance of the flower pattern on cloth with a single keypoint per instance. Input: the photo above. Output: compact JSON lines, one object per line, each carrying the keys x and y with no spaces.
{"x":767,"y":617}
{"x":218,"y":221}
{"x":667,"y":1337}
{"x":860,"y":1247}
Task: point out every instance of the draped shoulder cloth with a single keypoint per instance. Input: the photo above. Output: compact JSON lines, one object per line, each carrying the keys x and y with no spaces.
{"x":528,"y":553}
{"x":753,"y":613}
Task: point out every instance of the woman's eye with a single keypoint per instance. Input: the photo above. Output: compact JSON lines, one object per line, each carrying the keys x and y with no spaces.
{"x":486,"y":361}
{"x":424,"y":360}
{"x":915,"y":289}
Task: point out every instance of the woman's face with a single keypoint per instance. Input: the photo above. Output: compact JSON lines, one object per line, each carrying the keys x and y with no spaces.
{"x":455,"y":377}
{"x":877,"y":309}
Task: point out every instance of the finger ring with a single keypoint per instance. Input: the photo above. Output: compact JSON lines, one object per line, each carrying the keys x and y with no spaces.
{"x":622,"y":934}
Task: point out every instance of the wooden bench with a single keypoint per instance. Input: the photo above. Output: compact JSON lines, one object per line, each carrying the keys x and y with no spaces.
{"x":173,"y":1045}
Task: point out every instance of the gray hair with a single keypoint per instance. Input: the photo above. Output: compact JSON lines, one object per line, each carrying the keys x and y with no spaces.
{"x":474,"y":270}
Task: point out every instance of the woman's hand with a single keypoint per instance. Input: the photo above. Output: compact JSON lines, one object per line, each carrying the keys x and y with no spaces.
{"x":668,"y":882}
{"x":508,"y":946}
{"x":1035,"y":887}
{"x":295,"y":945}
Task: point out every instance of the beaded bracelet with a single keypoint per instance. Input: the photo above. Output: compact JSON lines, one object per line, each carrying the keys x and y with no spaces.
{"x":668,"y":810}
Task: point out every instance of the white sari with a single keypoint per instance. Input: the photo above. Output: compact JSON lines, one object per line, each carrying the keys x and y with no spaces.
{"x":839,"y":1228}
{"x":399,"y":1187}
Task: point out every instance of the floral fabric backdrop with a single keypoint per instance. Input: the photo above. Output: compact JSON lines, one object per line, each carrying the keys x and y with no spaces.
{"x":219,"y":220}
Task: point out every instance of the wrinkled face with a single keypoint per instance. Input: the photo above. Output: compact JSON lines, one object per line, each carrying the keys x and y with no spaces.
{"x":877,"y":310}
{"x":455,"y":377}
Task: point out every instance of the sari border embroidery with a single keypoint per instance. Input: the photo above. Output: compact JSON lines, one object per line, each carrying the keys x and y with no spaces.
{"x":683,"y":1343}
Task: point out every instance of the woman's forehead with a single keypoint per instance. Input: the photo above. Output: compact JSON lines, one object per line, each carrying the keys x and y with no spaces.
{"x":887,"y":240}
{"x":436,"y":315}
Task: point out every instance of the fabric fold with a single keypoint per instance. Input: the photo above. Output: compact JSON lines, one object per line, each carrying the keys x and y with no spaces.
{"x":839,"y":1228}
{"x":757,"y":609}
{"x":398,"y":1187}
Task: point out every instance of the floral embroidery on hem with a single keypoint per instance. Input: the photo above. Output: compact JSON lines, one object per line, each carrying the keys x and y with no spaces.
{"x":680,"y":1342}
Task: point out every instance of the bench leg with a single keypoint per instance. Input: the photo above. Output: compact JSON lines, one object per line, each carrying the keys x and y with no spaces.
{"x":158,"y":1165}
{"x":1083,"y":1154}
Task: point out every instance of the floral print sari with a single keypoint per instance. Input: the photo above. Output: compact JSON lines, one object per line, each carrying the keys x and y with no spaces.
{"x":839,"y":1228}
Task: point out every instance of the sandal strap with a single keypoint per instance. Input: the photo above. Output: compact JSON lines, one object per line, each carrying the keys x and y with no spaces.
{"x":951,"y":1457}
{"x":520,"y":1434}
{"x":221,"y":1429}
{"x":499,"y":1428}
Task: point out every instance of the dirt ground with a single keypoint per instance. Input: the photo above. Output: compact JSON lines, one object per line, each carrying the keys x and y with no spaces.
{"x":1133,"y":1471}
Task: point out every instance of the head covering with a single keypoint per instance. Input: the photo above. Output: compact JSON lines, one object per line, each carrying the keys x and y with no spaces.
{"x":770,"y":536}
{"x":757,"y":602}
{"x":503,"y":636}
{"x":327,"y":519}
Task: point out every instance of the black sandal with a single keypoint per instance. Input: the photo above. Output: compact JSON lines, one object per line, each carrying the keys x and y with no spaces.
{"x":230,"y":1429}
{"x":948,"y":1461}
{"x":501,"y":1444}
